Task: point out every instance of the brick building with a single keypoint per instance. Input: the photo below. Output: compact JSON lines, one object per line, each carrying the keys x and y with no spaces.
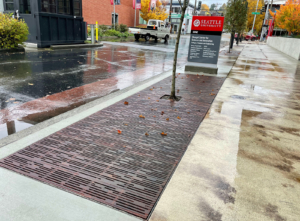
{"x":102,"y":11}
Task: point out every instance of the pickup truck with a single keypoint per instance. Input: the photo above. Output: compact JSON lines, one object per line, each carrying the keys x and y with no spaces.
{"x":155,"y":29}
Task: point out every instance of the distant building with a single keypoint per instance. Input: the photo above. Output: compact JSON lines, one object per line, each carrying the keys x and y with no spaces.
{"x":1,"y":6}
{"x":50,"y":22}
{"x":103,"y":12}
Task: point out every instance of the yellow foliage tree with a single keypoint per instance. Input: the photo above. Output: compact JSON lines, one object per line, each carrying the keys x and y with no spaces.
{"x":288,"y":17}
{"x":204,"y":7}
{"x":259,"y":18}
{"x":159,"y":12}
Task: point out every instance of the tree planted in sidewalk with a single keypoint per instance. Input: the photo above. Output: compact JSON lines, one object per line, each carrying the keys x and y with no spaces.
{"x":288,"y":16}
{"x":183,"y":6}
{"x":236,"y":17}
{"x":158,"y":13}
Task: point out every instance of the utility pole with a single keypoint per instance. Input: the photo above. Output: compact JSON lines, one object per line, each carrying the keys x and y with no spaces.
{"x":195,"y":7}
{"x":266,"y":17}
{"x":255,"y":16}
{"x":114,"y":15}
{"x":170,"y":11}
{"x":134,"y":13}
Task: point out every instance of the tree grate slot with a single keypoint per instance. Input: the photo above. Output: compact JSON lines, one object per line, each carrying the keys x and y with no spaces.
{"x":127,"y":171}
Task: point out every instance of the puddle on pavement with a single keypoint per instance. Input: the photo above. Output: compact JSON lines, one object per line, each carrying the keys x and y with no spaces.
{"x":62,"y":74}
{"x":13,"y":127}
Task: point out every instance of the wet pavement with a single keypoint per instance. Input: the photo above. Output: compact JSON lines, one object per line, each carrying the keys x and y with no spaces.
{"x":244,"y":161}
{"x":40,"y":84}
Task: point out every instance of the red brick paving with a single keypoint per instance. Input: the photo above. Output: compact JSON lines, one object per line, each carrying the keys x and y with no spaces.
{"x":127,"y":171}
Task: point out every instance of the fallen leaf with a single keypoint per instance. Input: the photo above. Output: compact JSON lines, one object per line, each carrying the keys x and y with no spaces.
{"x":212,"y":89}
{"x":175,"y":109}
{"x":126,"y":103}
{"x":146,"y":134}
{"x":141,"y":116}
{"x":212,"y":94}
{"x":163,"y":134}
{"x":151,"y":89}
{"x":178,"y":117}
{"x":188,"y":112}
{"x":178,"y":73}
{"x":12,"y":99}
{"x":178,"y":91}
{"x":30,"y":84}
{"x":162,"y":113}
{"x":167,"y":119}
{"x":119,"y":132}
{"x":148,"y":97}
{"x":124,"y":146}
{"x":125,"y":124}
{"x":157,"y":100}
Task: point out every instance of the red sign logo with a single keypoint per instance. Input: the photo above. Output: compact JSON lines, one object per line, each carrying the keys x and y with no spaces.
{"x":207,"y":23}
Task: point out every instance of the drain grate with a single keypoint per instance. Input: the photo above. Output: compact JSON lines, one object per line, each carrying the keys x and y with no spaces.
{"x":127,"y":171}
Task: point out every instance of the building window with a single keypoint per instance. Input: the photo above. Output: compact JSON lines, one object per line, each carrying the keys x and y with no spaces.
{"x":64,"y":7}
{"x":49,"y":6}
{"x":77,"y":8}
{"x":24,"y":7}
{"x":116,"y":17}
{"x":9,"y":5}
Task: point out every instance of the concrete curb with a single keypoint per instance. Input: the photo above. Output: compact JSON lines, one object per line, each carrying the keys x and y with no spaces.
{"x":76,"y":46}
{"x":13,"y":50}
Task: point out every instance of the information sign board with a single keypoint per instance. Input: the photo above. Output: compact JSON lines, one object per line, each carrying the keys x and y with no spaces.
{"x":205,"y":39}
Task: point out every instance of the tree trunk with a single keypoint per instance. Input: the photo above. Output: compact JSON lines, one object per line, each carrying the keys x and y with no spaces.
{"x":173,"y":95}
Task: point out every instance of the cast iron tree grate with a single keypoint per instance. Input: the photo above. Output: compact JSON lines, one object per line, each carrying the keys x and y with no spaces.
{"x":126,"y":170}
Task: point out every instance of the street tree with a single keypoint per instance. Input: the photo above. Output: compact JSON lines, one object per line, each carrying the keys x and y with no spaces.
{"x":288,"y":17}
{"x":259,"y":18}
{"x":204,"y":7}
{"x":213,"y":7}
{"x":236,"y":17}
{"x":183,"y":5}
{"x":159,"y":12}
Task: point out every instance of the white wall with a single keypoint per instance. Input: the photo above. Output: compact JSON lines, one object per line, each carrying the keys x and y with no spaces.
{"x":289,"y":46}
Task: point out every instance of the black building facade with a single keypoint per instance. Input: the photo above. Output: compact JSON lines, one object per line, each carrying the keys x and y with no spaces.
{"x":50,"y":22}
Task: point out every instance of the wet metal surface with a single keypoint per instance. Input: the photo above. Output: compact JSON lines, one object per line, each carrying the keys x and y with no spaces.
{"x":244,"y":161}
{"x":118,"y":156}
{"x":40,"y":84}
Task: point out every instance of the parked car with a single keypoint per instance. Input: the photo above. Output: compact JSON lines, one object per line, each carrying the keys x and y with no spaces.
{"x":155,"y":29}
{"x":250,"y":37}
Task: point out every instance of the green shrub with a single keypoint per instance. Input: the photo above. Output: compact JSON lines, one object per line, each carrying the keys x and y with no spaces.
{"x":113,"y":32}
{"x":12,"y":31}
{"x":123,"y":28}
{"x":103,"y":28}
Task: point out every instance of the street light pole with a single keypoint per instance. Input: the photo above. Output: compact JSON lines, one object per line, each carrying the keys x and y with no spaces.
{"x":135,"y":13}
{"x":195,"y":7}
{"x":266,"y":17}
{"x":254,"y":17}
{"x":114,"y":15}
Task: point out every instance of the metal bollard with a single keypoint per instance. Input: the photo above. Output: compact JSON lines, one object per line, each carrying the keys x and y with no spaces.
{"x":93,"y":35}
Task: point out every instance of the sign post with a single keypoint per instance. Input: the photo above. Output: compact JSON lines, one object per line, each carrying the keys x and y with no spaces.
{"x":205,"y":40}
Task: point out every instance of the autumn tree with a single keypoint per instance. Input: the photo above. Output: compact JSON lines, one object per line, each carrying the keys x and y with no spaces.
{"x":204,"y":7}
{"x":288,"y":17}
{"x":259,"y":18}
{"x":223,"y":7}
{"x":183,"y":5}
{"x":159,"y":12}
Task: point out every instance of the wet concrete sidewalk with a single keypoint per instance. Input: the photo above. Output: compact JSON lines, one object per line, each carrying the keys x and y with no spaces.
{"x":244,"y":161}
